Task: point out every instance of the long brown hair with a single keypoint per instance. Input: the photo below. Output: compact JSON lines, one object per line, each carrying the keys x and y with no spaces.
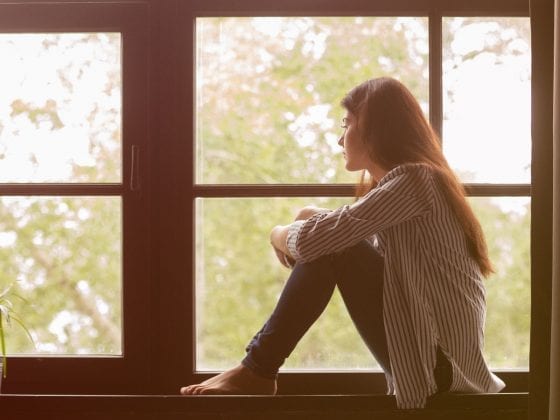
{"x":395,"y":131}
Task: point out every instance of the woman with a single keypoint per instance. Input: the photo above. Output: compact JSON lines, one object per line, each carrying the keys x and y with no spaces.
{"x":408,"y":257}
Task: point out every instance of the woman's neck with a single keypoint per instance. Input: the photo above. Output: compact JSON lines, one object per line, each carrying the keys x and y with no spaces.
{"x":377,"y":172}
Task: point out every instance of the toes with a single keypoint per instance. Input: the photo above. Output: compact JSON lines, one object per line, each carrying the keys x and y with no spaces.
{"x":210,"y":391}
{"x":188,"y":390}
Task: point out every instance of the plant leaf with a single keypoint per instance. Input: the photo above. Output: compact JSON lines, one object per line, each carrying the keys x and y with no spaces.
{"x":21,"y":324}
{"x":16,"y":295}
{"x":3,"y":346}
{"x":6,"y":291}
{"x":5,"y":310}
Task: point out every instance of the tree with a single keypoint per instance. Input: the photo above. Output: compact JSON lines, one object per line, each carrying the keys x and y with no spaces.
{"x":61,"y":123}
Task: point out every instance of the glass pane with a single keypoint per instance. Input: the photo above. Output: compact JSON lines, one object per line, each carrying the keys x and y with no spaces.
{"x":60,"y":108}
{"x":487,"y":98}
{"x":238,"y":281}
{"x":65,"y":256}
{"x":268,"y":91}
{"x":507,"y":222}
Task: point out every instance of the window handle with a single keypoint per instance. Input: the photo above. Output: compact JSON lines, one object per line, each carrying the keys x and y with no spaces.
{"x":135,"y":169}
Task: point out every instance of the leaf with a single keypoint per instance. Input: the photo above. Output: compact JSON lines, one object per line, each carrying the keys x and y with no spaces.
{"x":22,"y":325}
{"x":5,"y":292}
{"x":5,"y":310}
{"x":3,"y":345}
{"x":24,"y":300}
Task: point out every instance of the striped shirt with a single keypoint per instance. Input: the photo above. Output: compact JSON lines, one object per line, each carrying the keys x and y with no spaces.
{"x":433,"y":292}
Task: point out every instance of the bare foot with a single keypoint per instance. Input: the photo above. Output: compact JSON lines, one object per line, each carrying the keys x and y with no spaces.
{"x":237,"y":381}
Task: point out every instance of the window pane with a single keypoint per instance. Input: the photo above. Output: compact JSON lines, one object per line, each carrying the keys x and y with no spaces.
{"x":65,"y":254}
{"x":60,"y":108}
{"x":506,"y":222}
{"x":238,"y":281}
{"x":487,"y":98}
{"x":268,"y":91}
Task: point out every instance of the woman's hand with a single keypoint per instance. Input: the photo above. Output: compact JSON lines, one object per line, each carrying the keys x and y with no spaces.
{"x":286,"y":261}
{"x":278,"y":237}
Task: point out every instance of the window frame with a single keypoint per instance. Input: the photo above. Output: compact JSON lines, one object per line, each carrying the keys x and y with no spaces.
{"x":91,"y":373}
{"x":158,"y":258}
{"x":332,"y":381}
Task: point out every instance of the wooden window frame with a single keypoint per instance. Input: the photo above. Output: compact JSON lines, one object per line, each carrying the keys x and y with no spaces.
{"x":99,"y":374}
{"x":184,"y":15}
{"x":158,"y":116}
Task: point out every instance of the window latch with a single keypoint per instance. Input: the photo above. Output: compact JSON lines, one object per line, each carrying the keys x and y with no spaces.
{"x":135,"y":169}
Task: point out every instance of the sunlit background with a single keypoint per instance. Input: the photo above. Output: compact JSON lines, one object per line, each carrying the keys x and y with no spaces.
{"x":60,"y":122}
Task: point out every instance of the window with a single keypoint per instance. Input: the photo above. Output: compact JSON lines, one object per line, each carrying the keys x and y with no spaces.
{"x":241,"y":63}
{"x":487,"y":90}
{"x":266,"y":119}
{"x":139,"y":139}
{"x":62,"y":124}
{"x":72,"y":127}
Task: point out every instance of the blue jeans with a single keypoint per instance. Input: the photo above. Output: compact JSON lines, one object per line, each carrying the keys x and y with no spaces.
{"x":358,"y":273}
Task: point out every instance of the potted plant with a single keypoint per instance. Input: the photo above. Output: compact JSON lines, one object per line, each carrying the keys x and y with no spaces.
{"x":7,"y":316}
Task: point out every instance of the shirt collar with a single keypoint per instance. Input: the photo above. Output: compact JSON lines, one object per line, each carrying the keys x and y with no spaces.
{"x":402,"y":169}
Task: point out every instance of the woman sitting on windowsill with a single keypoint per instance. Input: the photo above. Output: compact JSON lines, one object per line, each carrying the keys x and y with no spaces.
{"x":408,"y":257}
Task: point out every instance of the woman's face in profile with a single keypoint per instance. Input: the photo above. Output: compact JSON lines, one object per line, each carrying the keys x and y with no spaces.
{"x":354,"y":149}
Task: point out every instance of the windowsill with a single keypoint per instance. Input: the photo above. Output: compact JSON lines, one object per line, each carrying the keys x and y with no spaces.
{"x":503,"y":403}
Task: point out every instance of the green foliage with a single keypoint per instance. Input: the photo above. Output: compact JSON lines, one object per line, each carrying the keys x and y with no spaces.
{"x":508,"y":289}
{"x":66,"y":256}
{"x":65,"y":252}
{"x":7,"y":317}
{"x":239,"y":281}
{"x":278,"y":100}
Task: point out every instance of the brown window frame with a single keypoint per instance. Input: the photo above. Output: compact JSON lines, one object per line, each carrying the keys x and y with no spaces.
{"x":158,"y":117}
{"x":99,"y":374}
{"x":186,"y":13}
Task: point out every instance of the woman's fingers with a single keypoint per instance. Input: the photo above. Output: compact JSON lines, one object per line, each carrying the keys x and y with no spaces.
{"x":283,"y":258}
{"x":290,"y":262}
{"x":279,"y":256}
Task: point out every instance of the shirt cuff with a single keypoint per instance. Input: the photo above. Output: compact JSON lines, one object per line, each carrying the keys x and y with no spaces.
{"x":291,"y":240}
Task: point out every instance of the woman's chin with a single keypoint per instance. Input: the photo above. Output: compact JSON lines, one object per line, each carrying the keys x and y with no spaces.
{"x":351,"y":168}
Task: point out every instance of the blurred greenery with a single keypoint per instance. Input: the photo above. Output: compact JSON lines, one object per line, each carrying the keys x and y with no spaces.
{"x":64,"y":252}
{"x":267,"y":112}
{"x":269,"y":91}
{"x":239,"y":281}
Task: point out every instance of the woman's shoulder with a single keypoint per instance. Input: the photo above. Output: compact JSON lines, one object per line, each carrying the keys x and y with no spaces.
{"x":408,"y":172}
{"x":409,"y":179}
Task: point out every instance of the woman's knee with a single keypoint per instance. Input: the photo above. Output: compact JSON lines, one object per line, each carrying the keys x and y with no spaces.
{"x":363,"y":251}
{"x":340,"y":264}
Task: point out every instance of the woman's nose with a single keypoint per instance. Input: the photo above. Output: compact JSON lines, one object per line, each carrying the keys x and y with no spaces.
{"x":341,"y":141}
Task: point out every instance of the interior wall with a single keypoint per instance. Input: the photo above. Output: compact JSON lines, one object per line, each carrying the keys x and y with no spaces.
{"x":555,"y":322}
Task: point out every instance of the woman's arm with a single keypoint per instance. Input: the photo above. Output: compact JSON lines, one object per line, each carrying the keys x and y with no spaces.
{"x":279,"y":235}
{"x":403,"y":197}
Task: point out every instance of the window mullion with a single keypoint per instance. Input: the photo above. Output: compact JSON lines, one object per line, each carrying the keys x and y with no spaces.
{"x":109,"y":189}
{"x":435,"y":70}
{"x":337,"y":190}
